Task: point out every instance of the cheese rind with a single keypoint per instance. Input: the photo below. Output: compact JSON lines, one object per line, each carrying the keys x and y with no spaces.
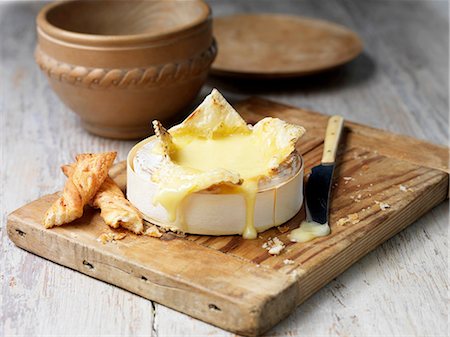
{"x":211,"y":212}
{"x":215,"y":151}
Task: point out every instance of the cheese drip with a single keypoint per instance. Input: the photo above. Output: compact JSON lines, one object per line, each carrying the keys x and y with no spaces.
{"x":214,"y":149}
{"x":238,"y":153}
{"x":309,"y":230}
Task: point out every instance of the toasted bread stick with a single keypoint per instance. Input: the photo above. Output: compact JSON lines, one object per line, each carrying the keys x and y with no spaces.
{"x":116,"y":210}
{"x":90,"y":171}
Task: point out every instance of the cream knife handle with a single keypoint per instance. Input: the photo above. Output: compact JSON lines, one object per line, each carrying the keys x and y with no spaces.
{"x":332,"y":136}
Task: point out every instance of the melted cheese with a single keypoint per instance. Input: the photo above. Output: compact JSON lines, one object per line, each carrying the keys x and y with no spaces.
{"x":237,"y":153}
{"x":309,"y":230}
{"x":214,"y":149}
{"x":176,"y":182}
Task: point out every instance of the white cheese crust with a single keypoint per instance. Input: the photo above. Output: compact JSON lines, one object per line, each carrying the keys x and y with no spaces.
{"x":278,"y":199}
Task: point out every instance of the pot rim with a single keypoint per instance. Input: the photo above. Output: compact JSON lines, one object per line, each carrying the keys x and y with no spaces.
{"x":116,"y":40}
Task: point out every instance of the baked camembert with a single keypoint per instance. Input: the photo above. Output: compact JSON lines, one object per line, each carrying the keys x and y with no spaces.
{"x":215,"y":174}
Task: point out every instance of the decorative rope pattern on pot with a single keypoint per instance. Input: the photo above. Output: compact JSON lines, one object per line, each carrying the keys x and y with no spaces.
{"x":123,"y":78}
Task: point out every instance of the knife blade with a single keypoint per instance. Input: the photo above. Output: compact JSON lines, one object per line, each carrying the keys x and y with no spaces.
{"x":318,"y":187}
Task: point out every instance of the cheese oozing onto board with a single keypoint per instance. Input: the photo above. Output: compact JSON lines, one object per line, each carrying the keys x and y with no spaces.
{"x":309,"y":230}
{"x":215,"y":151}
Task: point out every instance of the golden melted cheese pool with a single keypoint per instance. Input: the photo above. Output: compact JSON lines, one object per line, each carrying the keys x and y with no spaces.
{"x":214,"y":174}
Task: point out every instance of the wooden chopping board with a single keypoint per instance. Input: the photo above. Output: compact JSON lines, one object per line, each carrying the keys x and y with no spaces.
{"x":234,"y":283}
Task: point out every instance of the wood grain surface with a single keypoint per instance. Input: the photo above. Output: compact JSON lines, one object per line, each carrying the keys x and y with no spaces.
{"x":399,"y":83}
{"x":235,"y":283}
{"x":274,"y":46}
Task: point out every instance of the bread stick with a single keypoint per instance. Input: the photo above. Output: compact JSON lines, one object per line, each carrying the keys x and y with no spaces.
{"x":115,"y":209}
{"x":90,"y":171}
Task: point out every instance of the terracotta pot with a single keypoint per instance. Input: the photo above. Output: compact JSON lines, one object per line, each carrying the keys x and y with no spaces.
{"x":121,"y":64}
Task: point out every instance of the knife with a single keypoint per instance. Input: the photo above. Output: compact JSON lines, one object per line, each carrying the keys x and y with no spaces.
{"x":318,"y":187}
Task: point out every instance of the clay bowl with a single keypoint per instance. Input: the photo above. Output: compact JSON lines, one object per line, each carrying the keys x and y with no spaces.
{"x":121,"y":64}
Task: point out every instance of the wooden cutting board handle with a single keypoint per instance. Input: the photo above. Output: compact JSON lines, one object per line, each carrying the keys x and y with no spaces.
{"x":332,"y":136}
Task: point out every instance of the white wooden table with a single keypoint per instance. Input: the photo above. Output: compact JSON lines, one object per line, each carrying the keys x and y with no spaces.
{"x":400,"y":83}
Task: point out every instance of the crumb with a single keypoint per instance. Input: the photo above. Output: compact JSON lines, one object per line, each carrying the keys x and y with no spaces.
{"x":347,"y":180}
{"x":341,"y":221}
{"x":371,"y":185}
{"x":356,"y":199}
{"x":384,"y":206}
{"x":153,"y":231}
{"x":103,"y":238}
{"x":276,"y":250}
{"x":283,"y":229}
{"x":404,"y":188}
{"x":288,"y":262}
{"x":266,"y":244}
{"x":110,"y":237}
{"x":274,"y":246}
{"x":351,"y":218}
{"x":365,"y":167}
{"x":354,"y":218}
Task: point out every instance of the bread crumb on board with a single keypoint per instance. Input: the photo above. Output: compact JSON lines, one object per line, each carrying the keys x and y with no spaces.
{"x":384,"y":206}
{"x":404,"y":188}
{"x":356,"y":198}
{"x":288,"y":261}
{"x":110,"y":237}
{"x":351,"y":218}
{"x":153,"y":231}
{"x":347,"y":179}
{"x":274,"y":246}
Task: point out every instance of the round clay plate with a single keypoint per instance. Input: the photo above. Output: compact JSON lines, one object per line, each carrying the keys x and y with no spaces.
{"x":265,"y":45}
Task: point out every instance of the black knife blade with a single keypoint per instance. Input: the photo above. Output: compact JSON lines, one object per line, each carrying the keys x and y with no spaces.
{"x":317,"y":192}
{"x":318,"y":186}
